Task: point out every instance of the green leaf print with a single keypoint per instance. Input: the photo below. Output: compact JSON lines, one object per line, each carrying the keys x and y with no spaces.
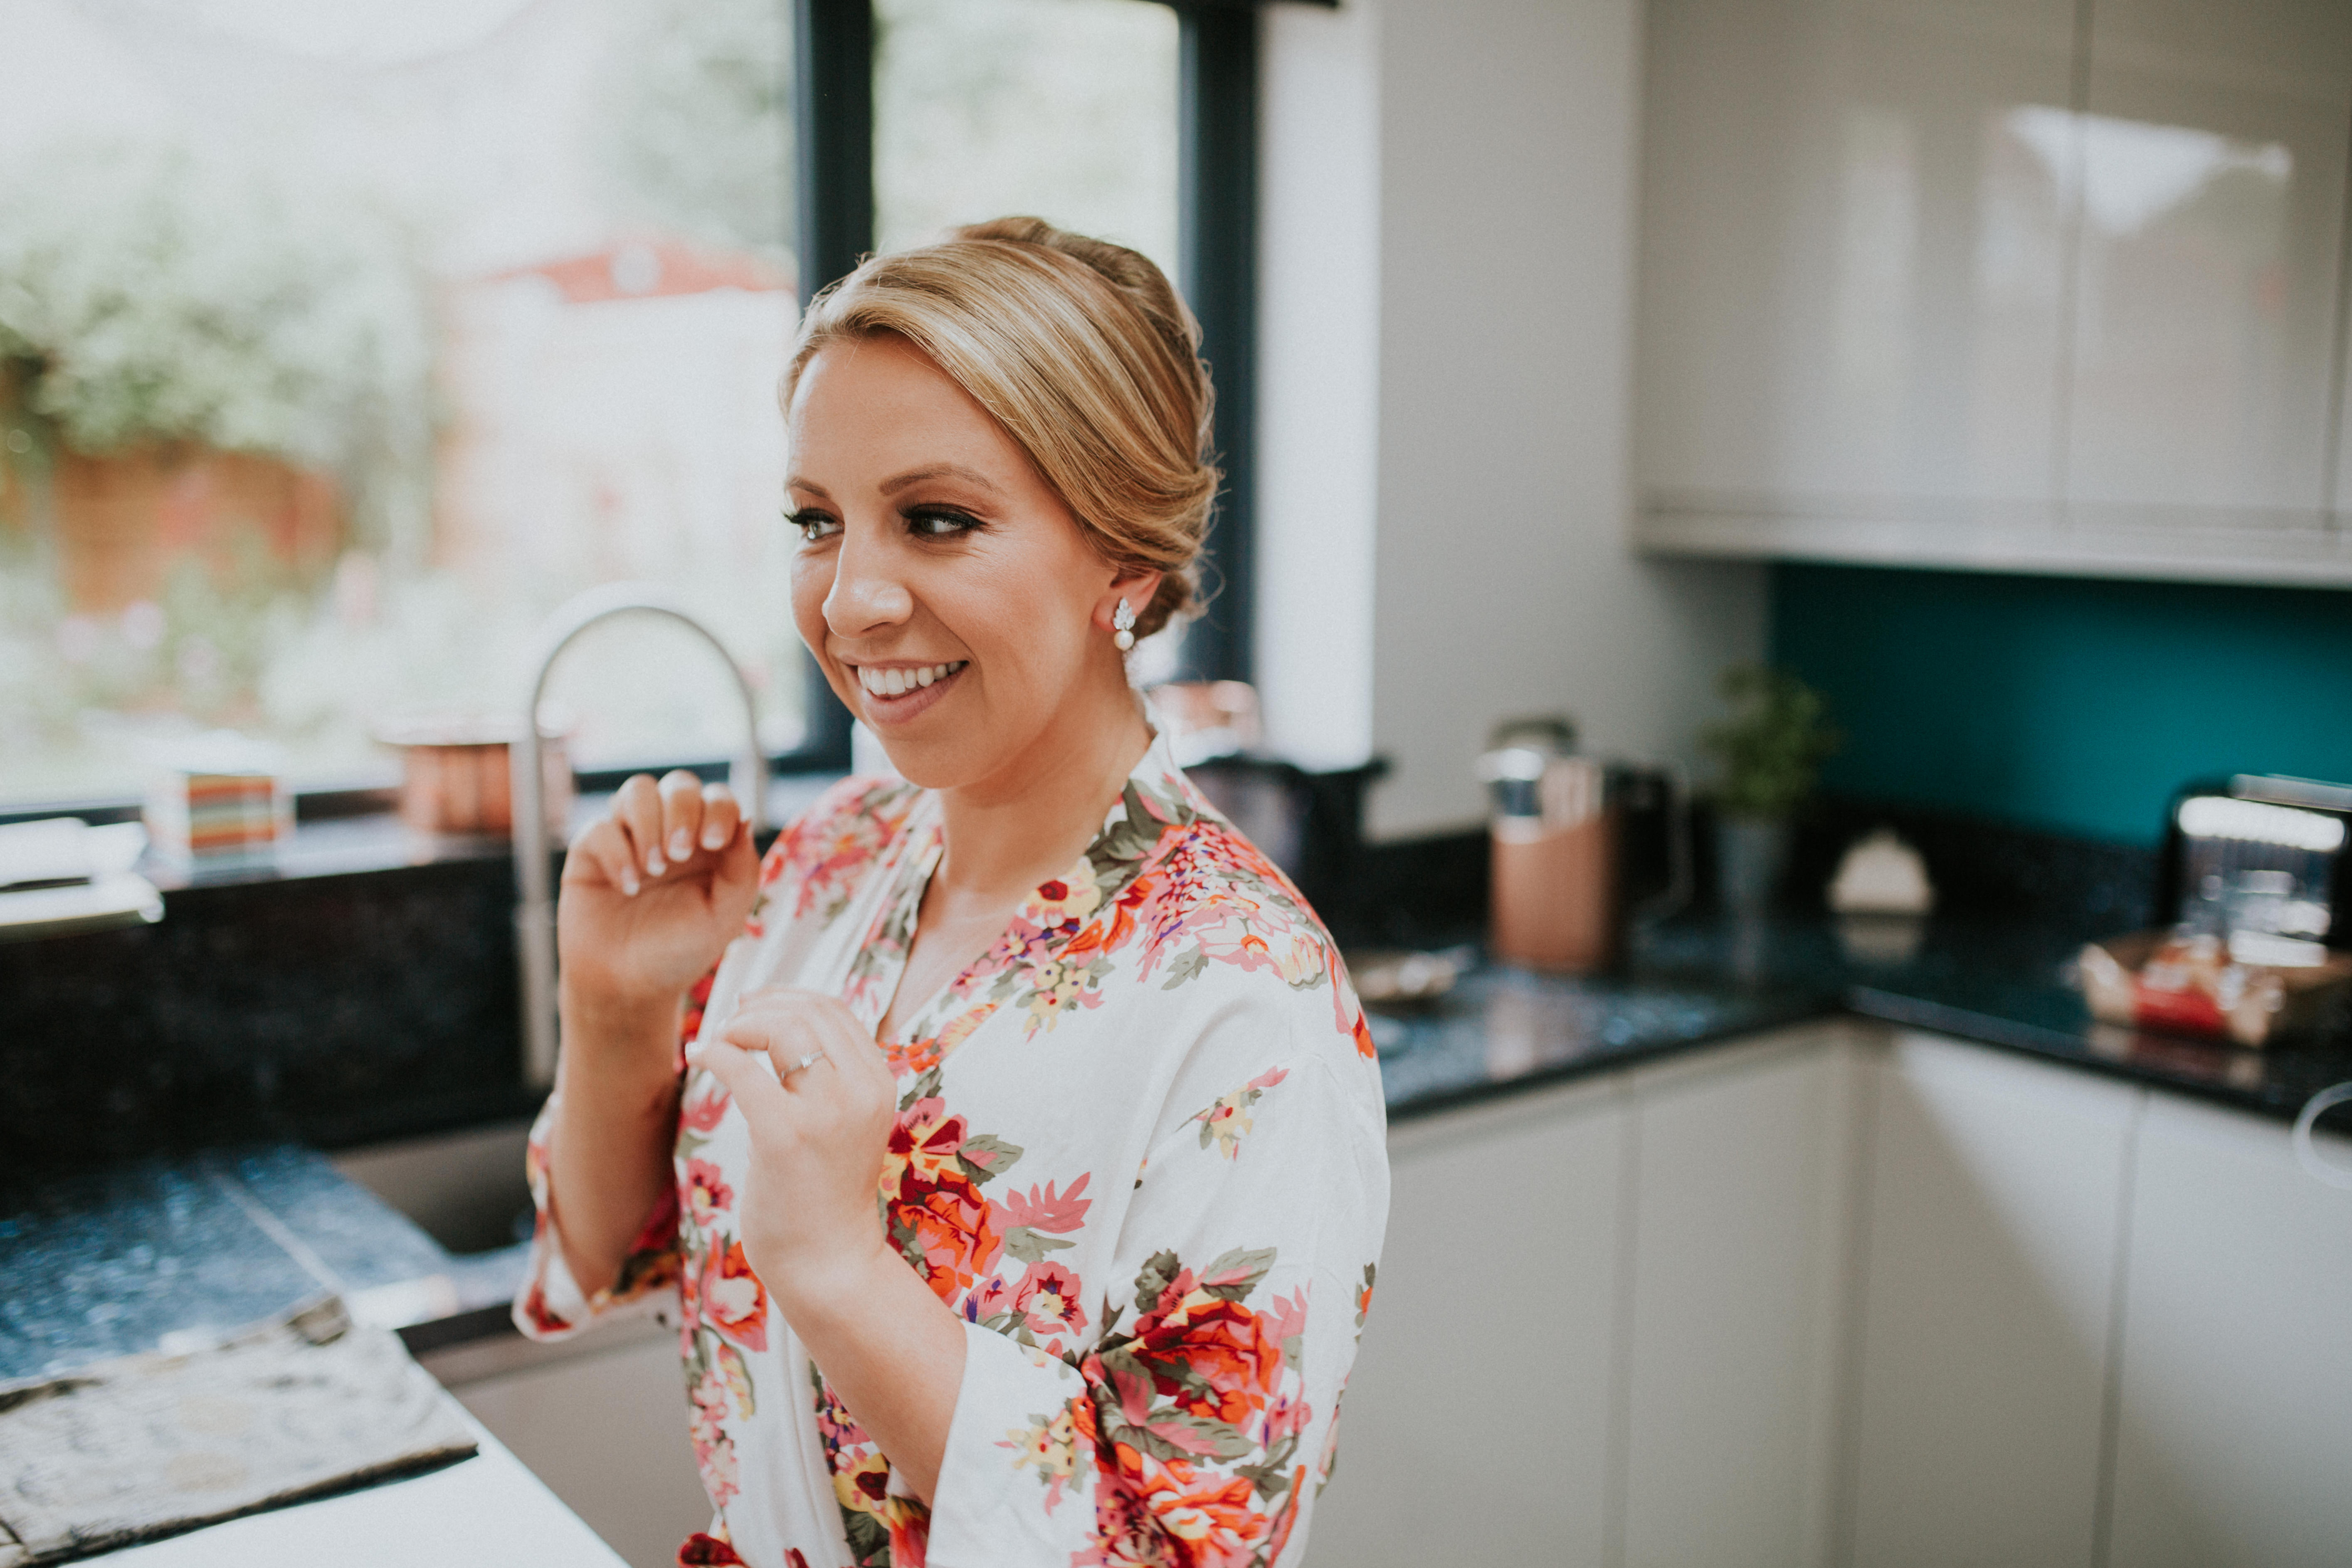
{"x":923,"y":1088}
{"x":1236,"y":1273}
{"x":984,"y":1155}
{"x":1031,"y":1246}
{"x":1186,"y":967}
{"x":1153,"y":1279}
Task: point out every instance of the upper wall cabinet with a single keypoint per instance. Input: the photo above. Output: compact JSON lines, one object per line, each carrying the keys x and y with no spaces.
{"x":2031,"y":284}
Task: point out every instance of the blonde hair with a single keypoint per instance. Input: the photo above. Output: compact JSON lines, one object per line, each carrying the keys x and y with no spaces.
{"x":1083,"y":353}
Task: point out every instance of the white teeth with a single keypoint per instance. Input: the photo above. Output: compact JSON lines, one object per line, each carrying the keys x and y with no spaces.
{"x":899,"y":681}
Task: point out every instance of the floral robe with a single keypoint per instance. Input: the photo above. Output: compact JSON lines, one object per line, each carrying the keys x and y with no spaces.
{"x":1140,"y":1152}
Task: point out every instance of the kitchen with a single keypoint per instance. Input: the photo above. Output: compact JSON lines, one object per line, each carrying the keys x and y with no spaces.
{"x":1981,"y":365}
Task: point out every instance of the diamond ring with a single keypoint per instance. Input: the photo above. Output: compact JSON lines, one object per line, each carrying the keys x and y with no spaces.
{"x":808,"y":1060}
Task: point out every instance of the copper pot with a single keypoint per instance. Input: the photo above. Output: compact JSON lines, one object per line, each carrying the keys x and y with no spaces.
{"x":455,"y":775}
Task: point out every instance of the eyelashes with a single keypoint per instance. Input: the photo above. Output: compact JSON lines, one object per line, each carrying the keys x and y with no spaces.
{"x":923,"y":523}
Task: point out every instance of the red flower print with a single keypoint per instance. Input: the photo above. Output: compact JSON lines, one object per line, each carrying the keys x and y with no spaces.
{"x":942,"y":1222}
{"x":1047,"y":1299}
{"x":1162,"y":1513}
{"x":948,"y":1230}
{"x":1213,"y":1356}
{"x":701,"y":1550}
{"x":733,"y":1300}
{"x":707,"y":1194}
{"x":689,"y":1024}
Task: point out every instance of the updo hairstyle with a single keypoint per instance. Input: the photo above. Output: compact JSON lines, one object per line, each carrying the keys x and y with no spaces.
{"x":1083,"y":352}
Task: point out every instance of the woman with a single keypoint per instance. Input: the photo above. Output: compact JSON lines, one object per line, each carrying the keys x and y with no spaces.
{"x":1097,"y":1057}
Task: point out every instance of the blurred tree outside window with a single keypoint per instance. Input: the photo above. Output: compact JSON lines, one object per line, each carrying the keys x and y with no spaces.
{"x":338,"y":345}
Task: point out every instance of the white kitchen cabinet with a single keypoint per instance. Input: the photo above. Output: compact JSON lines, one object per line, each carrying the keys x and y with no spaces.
{"x":1853,"y":260}
{"x":2211,"y":229}
{"x":601,"y":1420}
{"x":1742,"y":1168}
{"x":1989,"y":1255}
{"x":1961,"y":282}
{"x":1476,"y":1423}
{"x":2234,"y":1442}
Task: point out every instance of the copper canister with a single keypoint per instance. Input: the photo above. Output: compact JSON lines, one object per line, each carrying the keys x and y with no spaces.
{"x":1564,"y":881}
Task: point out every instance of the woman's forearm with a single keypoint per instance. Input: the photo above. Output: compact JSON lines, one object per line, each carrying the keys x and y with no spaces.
{"x":615,"y":1122}
{"x":892,"y":1351}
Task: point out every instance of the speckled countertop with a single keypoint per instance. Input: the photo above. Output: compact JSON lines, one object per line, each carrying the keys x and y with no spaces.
{"x":109,"y":1262}
{"x":1710,"y":978}
{"x":112,"y":1262}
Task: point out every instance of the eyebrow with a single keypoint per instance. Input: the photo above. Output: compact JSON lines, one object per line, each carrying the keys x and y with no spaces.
{"x":794,"y":482}
{"x":937,"y":471}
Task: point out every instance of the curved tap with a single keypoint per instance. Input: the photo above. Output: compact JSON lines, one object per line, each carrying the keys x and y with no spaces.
{"x":535,"y":915}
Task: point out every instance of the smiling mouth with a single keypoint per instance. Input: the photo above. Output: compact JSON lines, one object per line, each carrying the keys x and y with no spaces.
{"x":904,"y":680}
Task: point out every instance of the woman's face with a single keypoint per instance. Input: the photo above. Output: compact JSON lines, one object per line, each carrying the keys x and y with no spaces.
{"x":943,"y":587}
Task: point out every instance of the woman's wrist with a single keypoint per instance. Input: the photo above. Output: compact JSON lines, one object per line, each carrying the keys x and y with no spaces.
{"x":822,"y":1291}
{"x":610,"y":1031}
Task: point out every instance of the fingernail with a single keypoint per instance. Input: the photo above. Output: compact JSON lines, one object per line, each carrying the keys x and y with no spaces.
{"x":629,"y":884}
{"x":713,"y":839}
{"x":680,"y":844}
{"x":654,"y":863}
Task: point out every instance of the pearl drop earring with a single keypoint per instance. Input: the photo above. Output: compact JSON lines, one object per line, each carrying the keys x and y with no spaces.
{"x":1122,"y":622}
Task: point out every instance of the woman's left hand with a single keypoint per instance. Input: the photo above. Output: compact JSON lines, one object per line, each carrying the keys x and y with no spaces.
{"x":810,"y":1219}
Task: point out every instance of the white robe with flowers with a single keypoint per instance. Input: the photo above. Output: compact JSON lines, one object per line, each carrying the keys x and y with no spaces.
{"x":1140,"y":1152}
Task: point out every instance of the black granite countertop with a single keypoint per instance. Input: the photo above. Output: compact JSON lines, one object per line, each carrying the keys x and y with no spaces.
{"x":1707,"y":978}
{"x":160,"y":1252}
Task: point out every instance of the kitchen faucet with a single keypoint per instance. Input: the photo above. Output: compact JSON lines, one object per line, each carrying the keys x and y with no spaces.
{"x":535,"y":915}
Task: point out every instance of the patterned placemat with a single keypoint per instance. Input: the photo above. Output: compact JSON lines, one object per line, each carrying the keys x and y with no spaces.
{"x":147,"y":1446}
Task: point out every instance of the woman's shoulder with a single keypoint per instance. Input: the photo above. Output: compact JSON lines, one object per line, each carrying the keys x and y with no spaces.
{"x":1212,"y":910}
{"x":824,"y":852}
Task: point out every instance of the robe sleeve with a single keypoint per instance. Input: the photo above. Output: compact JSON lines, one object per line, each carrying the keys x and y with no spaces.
{"x":550,"y":1305}
{"x":1199,"y":1425}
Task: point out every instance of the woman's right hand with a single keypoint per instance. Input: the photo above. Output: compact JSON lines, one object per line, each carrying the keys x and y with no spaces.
{"x":653,"y":891}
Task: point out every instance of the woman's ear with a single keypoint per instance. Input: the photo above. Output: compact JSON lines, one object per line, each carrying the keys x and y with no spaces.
{"x":1135,"y":588}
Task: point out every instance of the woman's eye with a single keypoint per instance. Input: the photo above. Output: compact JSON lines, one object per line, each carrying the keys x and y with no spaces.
{"x":939,"y":522}
{"x":813,"y":525}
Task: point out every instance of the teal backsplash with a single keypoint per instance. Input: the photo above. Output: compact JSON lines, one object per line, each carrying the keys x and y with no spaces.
{"x":2068,"y":704}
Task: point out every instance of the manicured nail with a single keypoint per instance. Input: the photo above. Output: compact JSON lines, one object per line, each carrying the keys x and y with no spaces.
{"x":712,"y":838}
{"x":680,"y":844}
{"x":654,"y":863}
{"x":629,"y":883}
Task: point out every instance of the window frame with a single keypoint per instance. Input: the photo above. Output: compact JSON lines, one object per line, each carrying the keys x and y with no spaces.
{"x":833,"y":109}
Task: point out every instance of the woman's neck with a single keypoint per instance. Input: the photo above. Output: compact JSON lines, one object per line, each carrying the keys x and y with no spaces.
{"x":1005,"y":835}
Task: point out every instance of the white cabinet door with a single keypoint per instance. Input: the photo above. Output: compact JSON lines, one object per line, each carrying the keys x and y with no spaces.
{"x":1990,"y":1257}
{"x":2234,"y":1441}
{"x":2212,"y":163}
{"x":1475,"y":1427}
{"x":601,"y":1421}
{"x":1852,"y":259}
{"x":1742,"y":1168}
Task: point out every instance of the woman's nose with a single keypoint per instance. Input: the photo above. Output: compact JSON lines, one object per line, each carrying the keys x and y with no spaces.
{"x":866,"y":595}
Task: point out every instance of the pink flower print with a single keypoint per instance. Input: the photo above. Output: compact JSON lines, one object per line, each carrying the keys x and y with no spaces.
{"x":1285,"y":1417}
{"x":702,"y":1113}
{"x":714,"y":1452}
{"x":1048,"y":1300}
{"x":707,"y":1194}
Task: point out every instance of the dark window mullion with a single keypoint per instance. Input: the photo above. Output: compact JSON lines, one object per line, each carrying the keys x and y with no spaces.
{"x":833,"y":186}
{"x":1217,"y":187}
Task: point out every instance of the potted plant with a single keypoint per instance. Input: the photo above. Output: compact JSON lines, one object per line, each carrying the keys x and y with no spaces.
{"x":1771,"y":750}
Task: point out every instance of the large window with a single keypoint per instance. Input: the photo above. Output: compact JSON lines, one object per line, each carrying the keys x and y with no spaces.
{"x":339,"y":343}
